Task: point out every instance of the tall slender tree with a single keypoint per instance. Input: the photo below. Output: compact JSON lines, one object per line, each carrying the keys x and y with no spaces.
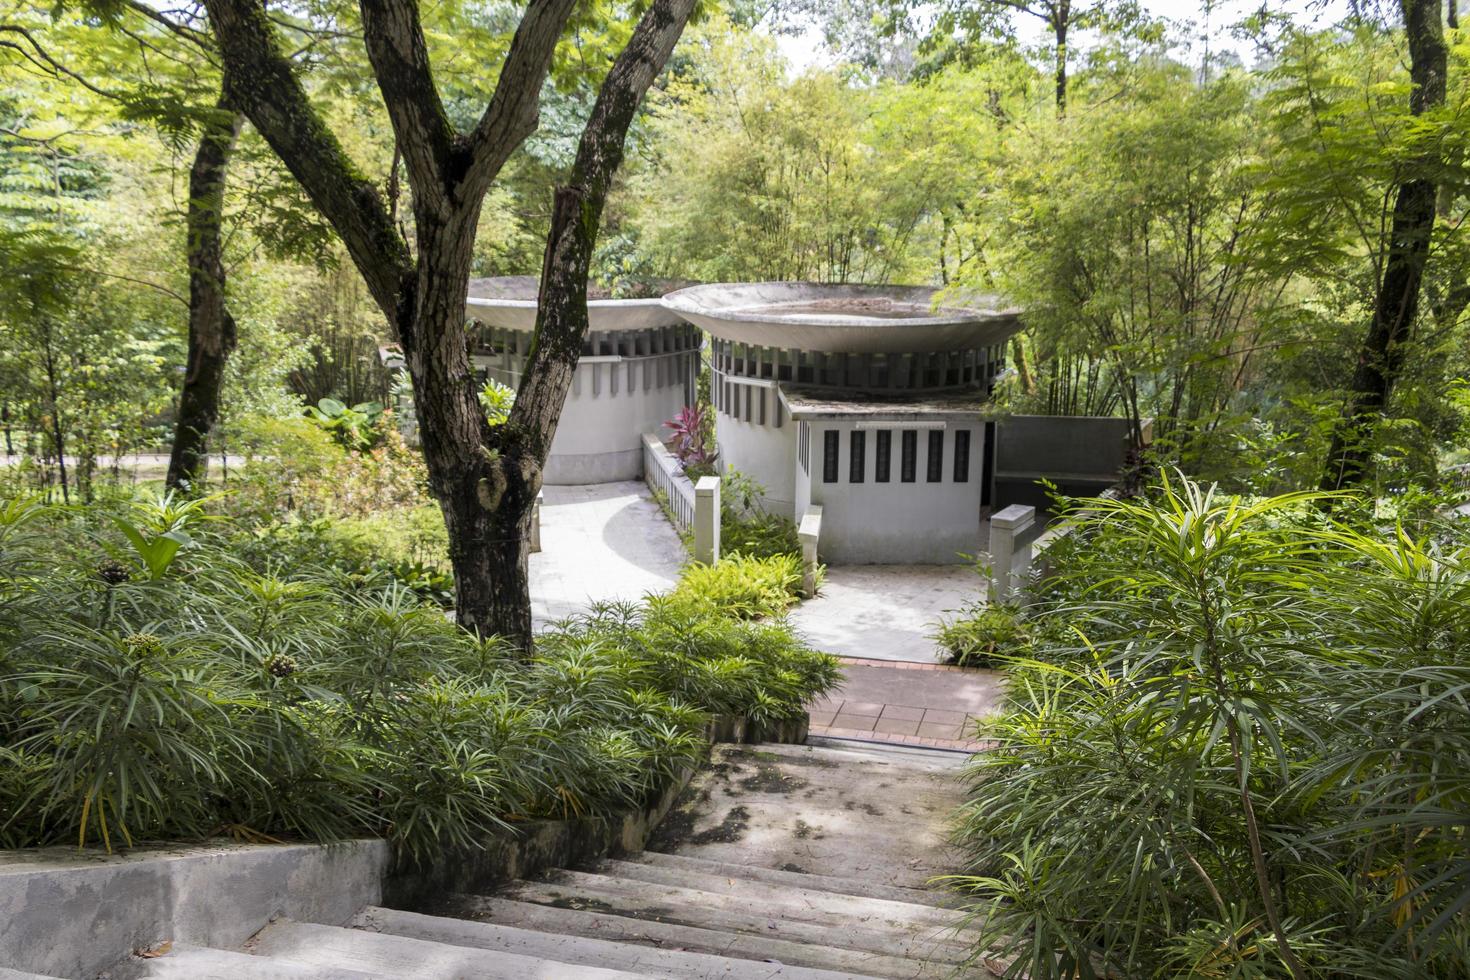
{"x":212,"y":335}
{"x":1396,"y":305}
{"x":485,"y":479}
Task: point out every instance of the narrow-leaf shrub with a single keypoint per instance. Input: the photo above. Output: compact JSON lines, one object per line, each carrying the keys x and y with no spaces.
{"x":303,"y":702}
{"x":741,"y":586}
{"x":984,"y":636}
{"x":1241,"y":749}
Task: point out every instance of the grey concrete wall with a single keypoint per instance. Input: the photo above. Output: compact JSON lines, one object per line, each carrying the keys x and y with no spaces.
{"x":1082,"y":455}
{"x":75,"y":915}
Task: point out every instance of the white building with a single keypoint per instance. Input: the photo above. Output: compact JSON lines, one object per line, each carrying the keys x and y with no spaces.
{"x":865,"y":400}
{"x":637,"y":370}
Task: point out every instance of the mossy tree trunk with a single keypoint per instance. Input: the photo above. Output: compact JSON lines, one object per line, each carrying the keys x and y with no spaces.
{"x":212,"y":335}
{"x":485,"y":479}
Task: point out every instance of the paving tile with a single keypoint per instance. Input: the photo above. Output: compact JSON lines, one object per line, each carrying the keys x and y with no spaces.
{"x":608,"y":541}
{"x":930,"y":730}
{"x":873,"y":708}
{"x":823,"y":718}
{"x":902,"y":712}
{"x":897,"y":726}
{"x":861,"y":723}
{"x":941,"y":716}
{"x":886,"y":612}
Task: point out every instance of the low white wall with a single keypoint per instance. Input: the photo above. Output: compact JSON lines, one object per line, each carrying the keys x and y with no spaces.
{"x":895,"y":522}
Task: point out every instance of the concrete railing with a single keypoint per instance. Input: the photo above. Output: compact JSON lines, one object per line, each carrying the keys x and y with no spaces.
{"x":1018,"y":548}
{"x":1013,"y":531}
{"x":694,"y":510}
{"x":809,"y":533}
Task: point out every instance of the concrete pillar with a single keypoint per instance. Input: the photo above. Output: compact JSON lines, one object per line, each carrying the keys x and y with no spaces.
{"x":536,"y":522}
{"x":809,"y":533}
{"x":707,"y":520}
{"x":1010,"y":550}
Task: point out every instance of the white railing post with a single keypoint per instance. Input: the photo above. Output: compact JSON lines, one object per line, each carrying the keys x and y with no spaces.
{"x":1010,"y":551}
{"x":536,"y":522}
{"x":707,"y":520}
{"x":809,"y":533}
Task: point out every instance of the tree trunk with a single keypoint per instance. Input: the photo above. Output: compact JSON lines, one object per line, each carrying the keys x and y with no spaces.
{"x":1381,"y":357}
{"x":1060,"y":24}
{"x":53,"y":395}
{"x":507,"y":491}
{"x":212,"y":335}
{"x":485,"y":479}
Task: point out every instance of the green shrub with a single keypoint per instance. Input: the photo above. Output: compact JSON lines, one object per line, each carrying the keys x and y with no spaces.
{"x":740,"y":586}
{"x":985,"y":636}
{"x":296,"y":700}
{"x":1241,"y":748}
{"x":295,"y":469}
{"x":408,"y":545}
{"x":745,"y":526}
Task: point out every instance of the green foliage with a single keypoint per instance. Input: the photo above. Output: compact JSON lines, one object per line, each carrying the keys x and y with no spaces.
{"x":299,"y":702}
{"x":746,"y":528}
{"x":742,"y":586}
{"x":1242,"y":740}
{"x":496,"y":399}
{"x":985,"y":636}
{"x":296,"y":468}
{"x":353,"y":426}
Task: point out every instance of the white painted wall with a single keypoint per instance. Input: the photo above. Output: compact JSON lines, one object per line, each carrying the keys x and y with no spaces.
{"x":765,"y":454}
{"x":897,"y":523}
{"x":599,"y":437}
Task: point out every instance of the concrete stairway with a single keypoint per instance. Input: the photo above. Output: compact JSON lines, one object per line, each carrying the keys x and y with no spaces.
{"x":778,"y":862}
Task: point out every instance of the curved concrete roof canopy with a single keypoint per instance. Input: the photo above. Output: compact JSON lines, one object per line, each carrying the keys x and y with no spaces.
{"x":509,"y":302}
{"x":853,"y":319}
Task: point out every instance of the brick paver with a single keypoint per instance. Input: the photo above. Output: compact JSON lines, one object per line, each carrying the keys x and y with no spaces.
{"x":934,"y":705}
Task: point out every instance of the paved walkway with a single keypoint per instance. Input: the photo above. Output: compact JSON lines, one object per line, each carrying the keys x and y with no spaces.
{"x":611,"y":542}
{"x":885,"y":612}
{"x":606,"y":541}
{"x":929,"y":705}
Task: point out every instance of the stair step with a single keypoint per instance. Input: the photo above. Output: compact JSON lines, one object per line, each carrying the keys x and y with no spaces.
{"x":765,"y":894}
{"x":202,"y":963}
{"x":846,"y":814}
{"x":671,"y":935}
{"x":875,"y":929}
{"x":849,"y":753}
{"x":411,"y":959}
{"x":799,"y":879}
{"x":669,"y":963}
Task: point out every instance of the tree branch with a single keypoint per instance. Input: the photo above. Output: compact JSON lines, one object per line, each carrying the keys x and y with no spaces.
{"x":42,"y":59}
{"x":577,"y":211}
{"x":512,"y":113}
{"x":400,"y":60}
{"x":262,"y":83}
